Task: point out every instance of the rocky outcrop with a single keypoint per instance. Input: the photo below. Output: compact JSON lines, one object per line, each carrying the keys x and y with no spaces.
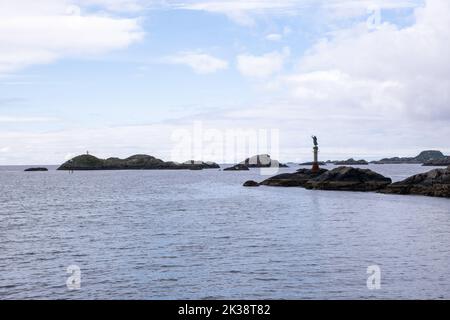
{"x":36,"y":170}
{"x":297,"y":179}
{"x":423,"y":157}
{"x":435,"y":183}
{"x":251,"y":183}
{"x":444,"y":162}
{"x":136,"y":162}
{"x":238,"y":167}
{"x":262,"y":161}
{"x":351,"y":162}
{"x":349,"y":179}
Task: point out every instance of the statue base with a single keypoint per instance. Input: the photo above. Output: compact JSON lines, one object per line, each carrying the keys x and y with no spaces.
{"x":315,"y":167}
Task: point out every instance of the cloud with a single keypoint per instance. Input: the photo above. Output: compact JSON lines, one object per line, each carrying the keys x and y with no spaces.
{"x":244,"y":12}
{"x":201,"y":63}
{"x":41,"y":32}
{"x":262,"y":66}
{"x":390,"y":70}
{"x":274,"y":37}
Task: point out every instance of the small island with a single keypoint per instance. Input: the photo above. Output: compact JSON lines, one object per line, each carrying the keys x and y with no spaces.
{"x":262,"y":161}
{"x":351,"y":162}
{"x":321,"y":163}
{"x":137,"y":162}
{"x":36,"y":170}
{"x":237,"y":167}
{"x":423,"y":157}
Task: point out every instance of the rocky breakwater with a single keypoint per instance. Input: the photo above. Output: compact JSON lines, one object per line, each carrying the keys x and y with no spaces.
{"x":136,"y":162}
{"x":435,"y":183}
{"x":349,"y":179}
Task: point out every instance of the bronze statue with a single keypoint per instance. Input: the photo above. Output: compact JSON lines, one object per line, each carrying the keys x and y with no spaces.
{"x":316,"y":144}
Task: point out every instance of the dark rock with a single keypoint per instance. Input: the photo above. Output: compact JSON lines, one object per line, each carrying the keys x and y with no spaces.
{"x":136,"y":162}
{"x":349,"y":179}
{"x":262,"y":161}
{"x":444,"y":162}
{"x":423,"y":157}
{"x":35,"y":169}
{"x":351,"y":162}
{"x":251,"y":183}
{"x":238,"y":167}
{"x":297,"y":179}
{"x":435,"y":183}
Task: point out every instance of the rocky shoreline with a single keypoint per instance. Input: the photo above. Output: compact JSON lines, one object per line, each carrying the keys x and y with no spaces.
{"x":435,"y":183}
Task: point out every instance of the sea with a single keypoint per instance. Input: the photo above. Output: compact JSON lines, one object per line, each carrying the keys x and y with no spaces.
{"x":202,"y":235}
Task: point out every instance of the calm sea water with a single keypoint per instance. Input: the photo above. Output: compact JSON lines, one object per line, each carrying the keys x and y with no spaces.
{"x":200,"y":235}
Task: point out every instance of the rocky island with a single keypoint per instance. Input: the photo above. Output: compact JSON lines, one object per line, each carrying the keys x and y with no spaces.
{"x":262,"y":161}
{"x":423,"y":157}
{"x":136,"y":162}
{"x":341,"y":178}
{"x":444,"y":162}
{"x":320,"y":163}
{"x":435,"y":183}
{"x":237,"y":167}
{"x":349,"y":179}
{"x":351,"y":162}
{"x":297,"y":179}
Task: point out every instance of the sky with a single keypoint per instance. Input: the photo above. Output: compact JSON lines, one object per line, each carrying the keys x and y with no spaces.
{"x":217,"y":80}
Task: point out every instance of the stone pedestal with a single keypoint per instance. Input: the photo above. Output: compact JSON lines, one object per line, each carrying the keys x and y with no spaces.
{"x":315,"y":166}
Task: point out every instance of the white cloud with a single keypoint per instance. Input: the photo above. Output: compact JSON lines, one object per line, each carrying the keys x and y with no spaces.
{"x":389,"y":70}
{"x":279,"y":36}
{"x":274,"y":37}
{"x":201,"y":63}
{"x":262,"y":66}
{"x":244,"y":12}
{"x":39,"y":32}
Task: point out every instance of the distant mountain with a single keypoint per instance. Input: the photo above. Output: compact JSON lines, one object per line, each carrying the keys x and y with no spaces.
{"x":423,"y":157}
